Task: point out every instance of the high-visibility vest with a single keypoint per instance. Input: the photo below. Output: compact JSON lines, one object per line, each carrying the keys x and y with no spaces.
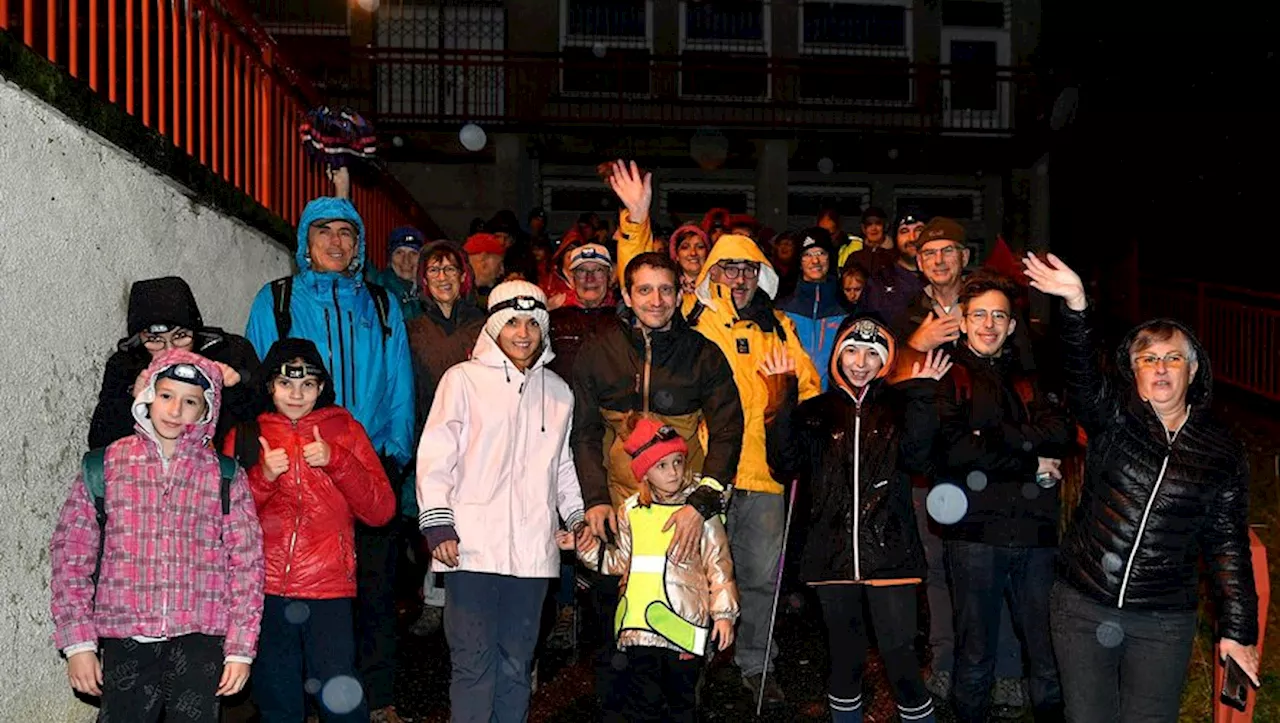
{"x":645,"y":605}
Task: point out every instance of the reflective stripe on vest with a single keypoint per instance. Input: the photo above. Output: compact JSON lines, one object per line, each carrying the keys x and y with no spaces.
{"x":644,"y":605}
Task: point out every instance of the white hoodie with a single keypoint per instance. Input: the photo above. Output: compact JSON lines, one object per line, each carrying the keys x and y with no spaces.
{"x":494,"y":462}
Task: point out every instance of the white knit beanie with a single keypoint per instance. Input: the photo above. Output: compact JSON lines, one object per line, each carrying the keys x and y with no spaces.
{"x":526,"y":299}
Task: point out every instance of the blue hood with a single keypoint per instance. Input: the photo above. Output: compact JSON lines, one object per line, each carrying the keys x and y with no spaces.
{"x":327,"y":208}
{"x":828,"y":302}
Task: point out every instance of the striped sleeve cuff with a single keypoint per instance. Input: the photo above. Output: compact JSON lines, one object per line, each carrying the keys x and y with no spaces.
{"x":86,"y":647}
{"x":435,"y":517}
{"x":575,"y":518}
{"x":238,"y":659}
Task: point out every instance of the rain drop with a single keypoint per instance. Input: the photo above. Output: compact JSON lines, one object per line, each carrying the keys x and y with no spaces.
{"x":369,"y":5}
{"x":1111,"y":562}
{"x":1031,"y":490}
{"x":826,"y":165}
{"x":297,"y":612}
{"x":397,"y":141}
{"x":947,"y":503}
{"x":977,"y":480}
{"x":472,"y":136}
{"x":342,"y":694}
{"x":1046,"y":481}
{"x":312,"y":686}
{"x":619,"y":661}
{"x":1027,"y":446}
{"x":1110,"y":634}
{"x":599,"y":50}
{"x":893,"y":153}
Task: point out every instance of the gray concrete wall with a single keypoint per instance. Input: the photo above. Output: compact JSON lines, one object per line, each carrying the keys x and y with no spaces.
{"x":82,"y":221}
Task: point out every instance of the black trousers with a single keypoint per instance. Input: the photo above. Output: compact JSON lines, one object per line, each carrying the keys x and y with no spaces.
{"x":659,"y":686}
{"x":609,"y":660}
{"x":375,"y":611}
{"x":172,"y":680}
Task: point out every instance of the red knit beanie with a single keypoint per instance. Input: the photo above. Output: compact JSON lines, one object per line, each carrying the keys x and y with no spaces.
{"x":646,"y":446}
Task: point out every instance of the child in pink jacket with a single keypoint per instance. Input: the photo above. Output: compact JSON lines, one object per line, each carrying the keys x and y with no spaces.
{"x":172,"y":622}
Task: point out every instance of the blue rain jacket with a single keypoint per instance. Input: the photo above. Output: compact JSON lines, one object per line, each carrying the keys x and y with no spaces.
{"x":372,"y":377}
{"x":817,"y":311}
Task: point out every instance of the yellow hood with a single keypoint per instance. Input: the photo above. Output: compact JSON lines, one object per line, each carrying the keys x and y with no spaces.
{"x":731,"y":247}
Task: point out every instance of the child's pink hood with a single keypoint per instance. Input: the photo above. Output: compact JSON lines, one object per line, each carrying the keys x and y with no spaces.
{"x":202,"y":430}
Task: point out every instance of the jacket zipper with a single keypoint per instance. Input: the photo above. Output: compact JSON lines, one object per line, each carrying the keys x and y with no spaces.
{"x":1146,"y":514}
{"x":351,"y":335}
{"x":297,"y":510}
{"x":648,"y":366}
{"x":342,"y":346}
{"x":328,"y":334}
{"x":857,"y":485}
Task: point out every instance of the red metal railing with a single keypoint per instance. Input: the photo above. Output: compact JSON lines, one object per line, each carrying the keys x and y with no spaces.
{"x":452,"y":86}
{"x":204,"y":75}
{"x":1239,"y":328}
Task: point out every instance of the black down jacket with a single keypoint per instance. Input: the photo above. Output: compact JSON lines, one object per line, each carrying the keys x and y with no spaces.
{"x":1153,"y":504}
{"x":853,"y":461}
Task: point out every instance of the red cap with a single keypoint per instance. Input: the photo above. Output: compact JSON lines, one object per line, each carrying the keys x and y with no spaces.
{"x":649,"y":443}
{"x":484,"y":243}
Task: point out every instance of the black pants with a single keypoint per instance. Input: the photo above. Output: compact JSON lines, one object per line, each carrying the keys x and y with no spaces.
{"x":610,"y":690}
{"x":658,"y":686}
{"x":376,"y":554}
{"x":172,"y":680}
{"x":893,"y":614}
{"x":307,"y":650}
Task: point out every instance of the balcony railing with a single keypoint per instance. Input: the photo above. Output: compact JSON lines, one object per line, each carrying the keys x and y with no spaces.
{"x":632,"y":87}
{"x":210,"y":81}
{"x":1239,"y":328}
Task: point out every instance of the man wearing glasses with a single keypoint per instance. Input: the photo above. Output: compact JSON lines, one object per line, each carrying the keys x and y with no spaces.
{"x":933,"y":319}
{"x":1002,"y":442}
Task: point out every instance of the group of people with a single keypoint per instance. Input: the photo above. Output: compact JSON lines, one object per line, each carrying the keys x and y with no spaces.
{"x":629,"y":411}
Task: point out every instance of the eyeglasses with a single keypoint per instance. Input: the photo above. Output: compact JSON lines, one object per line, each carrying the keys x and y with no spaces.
{"x":665,"y":433}
{"x":1172,"y":360}
{"x":442,"y":271}
{"x":999,"y":318}
{"x":179,"y":339}
{"x":586,"y":273}
{"x":947,"y":252}
{"x":749,"y":271}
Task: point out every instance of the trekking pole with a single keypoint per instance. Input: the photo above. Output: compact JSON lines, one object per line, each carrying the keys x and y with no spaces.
{"x":777,"y":591}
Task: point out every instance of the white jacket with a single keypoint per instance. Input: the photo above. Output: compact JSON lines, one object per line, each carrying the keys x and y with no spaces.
{"x":494,"y":462}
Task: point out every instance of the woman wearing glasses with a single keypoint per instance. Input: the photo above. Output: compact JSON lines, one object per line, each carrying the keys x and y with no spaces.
{"x":163,"y":315}
{"x":1166,"y":488}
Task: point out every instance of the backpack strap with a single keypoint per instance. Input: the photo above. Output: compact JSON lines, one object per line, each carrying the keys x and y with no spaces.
{"x":381,"y":303}
{"x":92,"y":468}
{"x":281,"y":295}
{"x":228,"y":467}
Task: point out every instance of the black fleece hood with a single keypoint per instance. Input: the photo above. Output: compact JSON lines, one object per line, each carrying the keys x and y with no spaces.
{"x":167,"y":300}
{"x":284,"y":351}
{"x":1200,"y":391}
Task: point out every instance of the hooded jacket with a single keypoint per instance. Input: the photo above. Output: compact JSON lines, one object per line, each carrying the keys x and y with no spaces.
{"x":677,"y":376}
{"x":405,"y":292}
{"x":167,"y":301}
{"x":996,"y":424}
{"x":816,"y":308}
{"x":173,"y":564}
{"x":1155,"y":503}
{"x":854,"y":450}
{"x":495,"y":464}
{"x":745,"y":337}
{"x":308,"y":514}
{"x":372,"y":376}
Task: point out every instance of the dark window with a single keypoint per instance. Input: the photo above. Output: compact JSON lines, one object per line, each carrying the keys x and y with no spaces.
{"x":973,"y":69}
{"x":722,"y":74}
{"x":848,"y":24}
{"x":578,"y":200}
{"x":810,"y":205}
{"x":973,"y":13}
{"x":617,"y":18}
{"x":858,"y":78}
{"x":619,"y":71}
{"x":302,"y":12}
{"x":697,"y":203}
{"x":724,"y":20}
{"x":958,"y":207}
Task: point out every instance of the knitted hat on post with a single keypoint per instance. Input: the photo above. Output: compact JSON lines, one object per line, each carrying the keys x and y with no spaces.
{"x":516,"y":298}
{"x":649,"y":443}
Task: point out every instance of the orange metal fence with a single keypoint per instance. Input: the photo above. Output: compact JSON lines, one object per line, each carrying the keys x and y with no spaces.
{"x":207,"y":78}
{"x":1239,"y":328}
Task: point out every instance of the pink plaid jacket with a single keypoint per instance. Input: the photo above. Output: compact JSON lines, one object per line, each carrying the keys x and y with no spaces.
{"x":173,"y":564}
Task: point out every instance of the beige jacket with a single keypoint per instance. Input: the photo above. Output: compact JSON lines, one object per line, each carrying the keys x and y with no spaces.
{"x":701,"y":590}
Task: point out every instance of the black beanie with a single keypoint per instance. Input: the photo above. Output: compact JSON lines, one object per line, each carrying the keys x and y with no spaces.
{"x":166,"y":301}
{"x":284,"y":351}
{"x":816,"y":237}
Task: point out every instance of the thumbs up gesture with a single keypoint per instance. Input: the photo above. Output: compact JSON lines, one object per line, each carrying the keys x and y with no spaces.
{"x":316,"y":453}
{"x":275,"y":462}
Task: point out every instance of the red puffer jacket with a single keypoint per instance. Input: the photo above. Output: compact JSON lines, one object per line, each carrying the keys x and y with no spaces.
{"x":307,"y":513}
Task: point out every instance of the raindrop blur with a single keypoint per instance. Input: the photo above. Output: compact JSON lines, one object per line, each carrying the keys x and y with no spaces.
{"x":619,"y":661}
{"x":1031,"y":490}
{"x":397,"y":141}
{"x":599,"y":50}
{"x":709,"y":148}
{"x":1111,"y":562}
{"x":297,"y":612}
{"x":342,"y":694}
{"x":947,"y":503}
{"x":1027,"y":446}
{"x":893,"y":153}
{"x":977,"y":480}
{"x":472,"y":137}
{"x":1110,"y":634}
{"x":826,"y":165}
{"x":1046,"y":481}
{"x":312,"y":686}
{"x":368,"y":5}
